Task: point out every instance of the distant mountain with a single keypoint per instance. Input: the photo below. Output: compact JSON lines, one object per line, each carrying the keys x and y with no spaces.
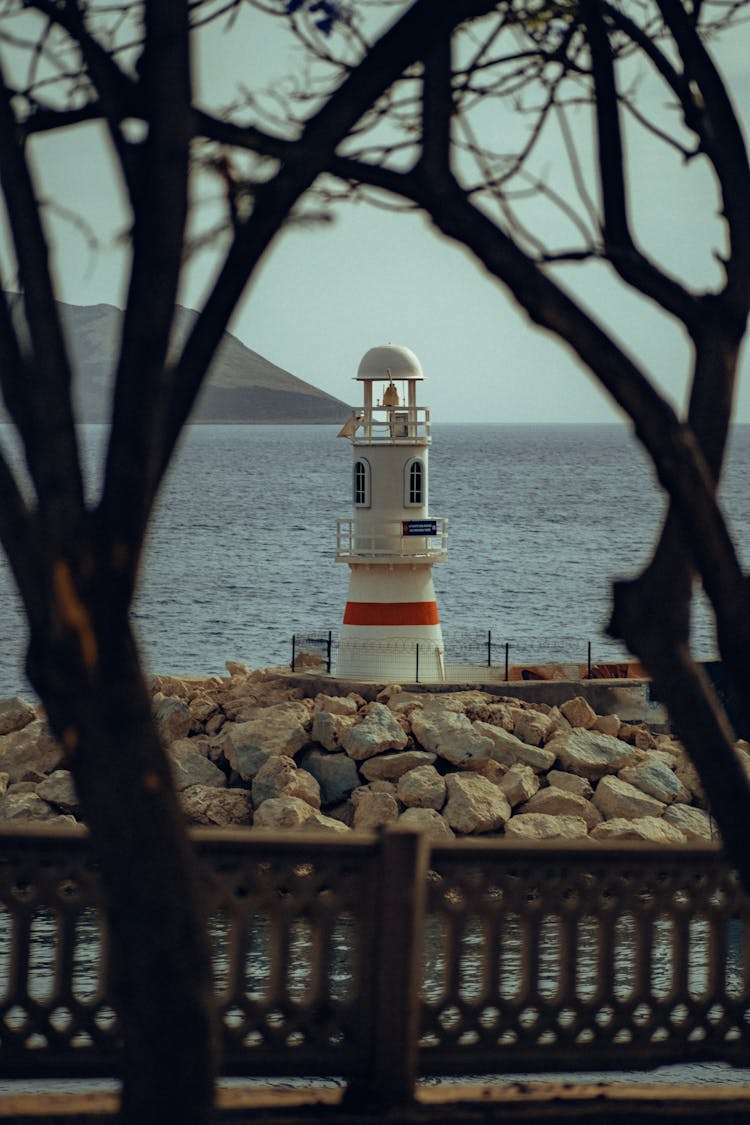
{"x":242,"y":386}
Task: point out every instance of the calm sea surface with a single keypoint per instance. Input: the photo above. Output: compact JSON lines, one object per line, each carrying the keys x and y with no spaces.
{"x":241,"y":551}
{"x":541,"y":519}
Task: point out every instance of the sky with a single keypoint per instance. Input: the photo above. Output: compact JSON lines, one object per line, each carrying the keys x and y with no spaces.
{"x":325,"y":294}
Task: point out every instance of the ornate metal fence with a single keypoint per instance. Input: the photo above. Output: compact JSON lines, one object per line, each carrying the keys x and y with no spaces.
{"x":376,"y":959}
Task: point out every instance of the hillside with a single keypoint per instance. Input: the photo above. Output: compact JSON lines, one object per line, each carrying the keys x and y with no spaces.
{"x":242,"y":385}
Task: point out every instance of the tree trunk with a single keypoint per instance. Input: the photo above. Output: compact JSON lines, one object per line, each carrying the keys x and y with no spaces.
{"x":159,"y":945}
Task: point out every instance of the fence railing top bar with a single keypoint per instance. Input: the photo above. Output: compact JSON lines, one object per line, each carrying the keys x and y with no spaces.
{"x":302,"y":845}
{"x":600,"y":851}
{"x":74,"y":836}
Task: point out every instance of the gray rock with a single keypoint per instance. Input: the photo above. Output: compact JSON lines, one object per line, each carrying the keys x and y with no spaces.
{"x":449,"y":734}
{"x":336,"y":774}
{"x":591,"y":754}
{"x":519,"y":784}
{"x":59,"y":790}
{"x":278,"y":729}
{"x":695,"y":824}
{"x":561,"y":802}
{"x":217,"y":808}
{"x":391,"y":766}
{"x":422,"y":788}
{"x":190,"y":767}
{"x":329,"y":728}
{"x":543,"y":826}
{"x":283,"y":813}
{"x":656,"y":779}
{"x":532,"y":727}
{"x":173,"y":718}
{"x":474,"y":804}
{"x":335,"y":704}
{"x":428,"y":821}
{"x":280,"y":777}
{"x":571,"y":782}
{"x":25,"y":806}
{"x":653,"y":829}
{"x":507,"y":749}
{"x":15,"y":714}
{"x":578,"y":712}
{"x":372,"y":809}
{"x":616,"y":798}
{"x":378,"y":732}
{"x":30,"y":751}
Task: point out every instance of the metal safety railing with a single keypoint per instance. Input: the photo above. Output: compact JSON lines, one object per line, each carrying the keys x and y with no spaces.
{"x":378,"y":959}
{"x":466,"y":656}
{"x":393,"y":539}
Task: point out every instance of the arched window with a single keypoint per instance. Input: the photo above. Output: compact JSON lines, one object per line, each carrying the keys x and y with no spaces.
{"x":361,"y":484}
{"x":414,"y":484}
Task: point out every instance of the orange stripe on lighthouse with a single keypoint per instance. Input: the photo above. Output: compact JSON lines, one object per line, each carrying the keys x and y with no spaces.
{"x":391,"y":613}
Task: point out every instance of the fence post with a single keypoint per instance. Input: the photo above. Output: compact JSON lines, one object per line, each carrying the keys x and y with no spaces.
{"x":588,"y":677}
{"x":416,"y":670}
{"x":399,"y":909}
{"x":328,"y":657}
{"x":507,"y":658}
{"x":489,"y":648}
{"x":294,"y":638}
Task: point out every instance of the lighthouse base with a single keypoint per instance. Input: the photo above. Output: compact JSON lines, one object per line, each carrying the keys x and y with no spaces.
{"x":416,"y":657}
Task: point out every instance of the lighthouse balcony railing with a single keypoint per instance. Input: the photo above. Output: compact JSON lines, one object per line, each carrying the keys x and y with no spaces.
{"x":393,"y":425}
{"x":392,"y":539}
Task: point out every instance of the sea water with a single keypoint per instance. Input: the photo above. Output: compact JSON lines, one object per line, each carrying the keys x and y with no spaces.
{"x":241,"y":547}
{"x":241,"y":551}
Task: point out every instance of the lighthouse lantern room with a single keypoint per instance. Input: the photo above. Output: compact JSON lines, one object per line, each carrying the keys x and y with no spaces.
{"x":391,"y":628}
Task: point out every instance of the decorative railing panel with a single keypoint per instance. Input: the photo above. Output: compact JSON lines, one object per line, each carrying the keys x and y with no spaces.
{"x":374,"y":958}
{"x":582,"y":959}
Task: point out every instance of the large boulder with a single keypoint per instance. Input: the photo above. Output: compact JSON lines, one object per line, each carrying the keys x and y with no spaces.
{"x":29,"y":752}
{"x":336,"y":774}
{"x":278,"y":729}
{"x":474,"y":805}
{"x":507,"y":749}
{"x":561,"y":802}
{"x":616,"y":798}
{"x":591,"y":754}
{"x":449,"y":734}
{"x":378,"y":732}
{"x":422,"y":788}
{"x":571,"y":782}
{"x":544,"y":826}
{"x":280,"y":777}
{"x":15,"y":714}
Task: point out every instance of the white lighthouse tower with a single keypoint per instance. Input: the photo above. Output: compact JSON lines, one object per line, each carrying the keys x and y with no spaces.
{"x":391,"y":628}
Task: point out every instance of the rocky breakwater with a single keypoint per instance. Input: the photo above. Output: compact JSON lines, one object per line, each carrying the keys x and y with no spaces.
{"x":251,"y":748}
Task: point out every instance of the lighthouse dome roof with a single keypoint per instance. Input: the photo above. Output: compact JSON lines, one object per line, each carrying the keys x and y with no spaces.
{"x":389,"y":361}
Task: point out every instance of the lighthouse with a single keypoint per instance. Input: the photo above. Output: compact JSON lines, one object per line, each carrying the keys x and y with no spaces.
{"x":391,"y":628}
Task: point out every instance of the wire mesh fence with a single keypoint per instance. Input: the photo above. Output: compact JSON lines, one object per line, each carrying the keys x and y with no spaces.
{"x":467,"y":654}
